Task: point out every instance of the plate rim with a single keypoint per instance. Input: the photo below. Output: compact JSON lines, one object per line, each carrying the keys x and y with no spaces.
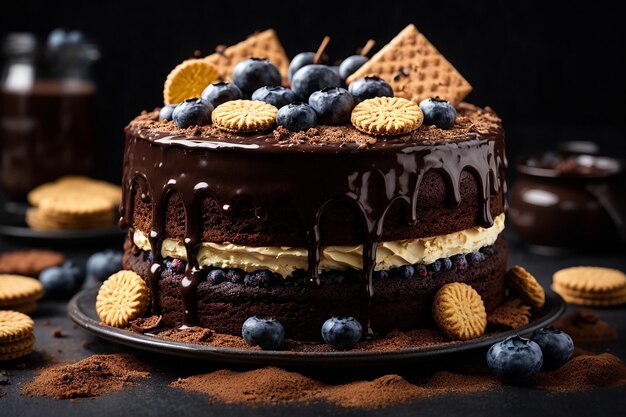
{"x":554,"y":305}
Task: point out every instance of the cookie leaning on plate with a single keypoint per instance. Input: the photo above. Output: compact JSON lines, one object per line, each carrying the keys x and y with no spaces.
{"x":459,"y":311}
{"x":123,"y":297}
{"x":525,"y":286}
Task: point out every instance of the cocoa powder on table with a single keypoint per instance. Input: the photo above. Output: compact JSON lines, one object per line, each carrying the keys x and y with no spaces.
{"x":270,"y":385}
{"x":585,"y":326}
{"x":91,"y":377}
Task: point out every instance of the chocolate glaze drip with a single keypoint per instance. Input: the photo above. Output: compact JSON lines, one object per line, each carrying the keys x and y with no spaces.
{"x":259,"y":169}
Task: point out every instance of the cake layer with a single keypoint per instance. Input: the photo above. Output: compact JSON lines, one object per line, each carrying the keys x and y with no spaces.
{"x":284,"y":260}
{"x":397,"y":303}
{"x":257,"y":190}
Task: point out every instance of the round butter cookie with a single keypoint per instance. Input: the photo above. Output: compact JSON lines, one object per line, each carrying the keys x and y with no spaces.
{"x":123,"y":297}
{"x":387,"y":116}
{"x":526,"y":287}
{"x":188,"y":80}
{"x":18,"y":290}
{"x":459,"y":311}
{"x":590,"y":279}
{"x":244,"y":116}
{"x":15,"y":326}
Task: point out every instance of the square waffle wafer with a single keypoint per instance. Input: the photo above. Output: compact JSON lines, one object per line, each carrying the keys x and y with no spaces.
{"x":259,"y":45}
{"x":415,"y":69}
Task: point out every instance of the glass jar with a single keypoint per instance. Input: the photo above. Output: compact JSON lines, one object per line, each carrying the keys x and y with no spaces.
{"x":47,"y":112}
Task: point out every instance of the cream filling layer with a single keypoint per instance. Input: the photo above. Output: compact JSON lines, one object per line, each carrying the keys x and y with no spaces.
{"x":284,"y":259}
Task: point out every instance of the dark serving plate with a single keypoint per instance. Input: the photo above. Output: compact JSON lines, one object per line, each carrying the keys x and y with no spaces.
{"x":13,"y":224}
{"x":82,"y":311}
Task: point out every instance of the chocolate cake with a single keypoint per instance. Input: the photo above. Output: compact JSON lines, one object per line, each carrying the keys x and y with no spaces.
{"x":302,"y":226}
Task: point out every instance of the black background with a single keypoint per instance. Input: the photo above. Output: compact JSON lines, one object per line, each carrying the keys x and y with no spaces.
{"x":552,"y":70}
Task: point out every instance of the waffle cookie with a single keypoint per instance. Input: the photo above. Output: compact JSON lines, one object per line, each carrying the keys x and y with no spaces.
{"x":415,"y":69}
{"x":259,"y":45}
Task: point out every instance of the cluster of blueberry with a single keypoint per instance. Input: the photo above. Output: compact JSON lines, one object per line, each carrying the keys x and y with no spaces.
{"x":266,"y":278}
{"x":65,"y":280}
{"x":517,"y":359}
{"x":315,"y":96}
{"x":339,"y":332}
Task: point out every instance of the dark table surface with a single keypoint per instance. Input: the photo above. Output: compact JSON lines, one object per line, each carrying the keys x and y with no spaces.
{"x":154,"y":397}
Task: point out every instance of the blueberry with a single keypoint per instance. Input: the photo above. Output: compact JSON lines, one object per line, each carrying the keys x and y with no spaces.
{"x":149,"y":257}
{"x":61,"y":281}
{"x":333,"y":105}
{"x":381,"y":274}
{"x":254,"y":73}
{"x":276,"y":96}
{"x":312,"y":78}
{"x":438,"y":112}
{"x":476,"y":256}
{"x":350,"y":65}
{"x":369,"y":87}
{"x":487,"y":250}
{"x":102,"y":265}
{"x":56,"y":38}
{"x":261,"y":278}
{"x":166,"y":112}
{"x":235,"y":276}
{"x":421,"y":270}
{"x":221,"y":92}
{"x":446,"y":264}
{"x":342,"y":332}
{"x":297,"y":117}
{"x":332,"y":277}
{"x":405,"y":271}
{"x":515,"y":359}
{"x":192,"y":112}
{"x":459,"y":262}
{"x":266,"y":333}
{"x":216,"y":276}
{"x":336,"y":71}
{"x":301,"y":60}
{"x":557,"y":346}
{"x":74,"y":37}
{"x":436,"y":266}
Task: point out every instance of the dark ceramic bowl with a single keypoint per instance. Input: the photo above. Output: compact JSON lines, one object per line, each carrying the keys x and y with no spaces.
{"x":569,"y":200}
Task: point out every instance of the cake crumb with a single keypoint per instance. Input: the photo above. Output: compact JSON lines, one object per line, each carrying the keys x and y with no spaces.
{"x":57,"y":332}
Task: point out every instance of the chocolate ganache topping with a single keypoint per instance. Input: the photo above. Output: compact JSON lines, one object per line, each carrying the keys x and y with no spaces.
{"x":308,"y":169}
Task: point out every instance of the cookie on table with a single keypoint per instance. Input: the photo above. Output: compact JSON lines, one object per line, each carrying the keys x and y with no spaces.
{"x":591,"y":286}
{"x":29,"y":262}
{"x":525,"y":286}
{"x":459,"y":311}
{"x":19,"y":292}
{"x":16,"y":335}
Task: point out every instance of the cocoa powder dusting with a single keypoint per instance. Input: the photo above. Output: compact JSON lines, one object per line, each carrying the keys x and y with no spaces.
{"x":275,"y":385}
{"x":585,"y":326}
{"x":91,"y":377}
{"x":585,"y":372}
